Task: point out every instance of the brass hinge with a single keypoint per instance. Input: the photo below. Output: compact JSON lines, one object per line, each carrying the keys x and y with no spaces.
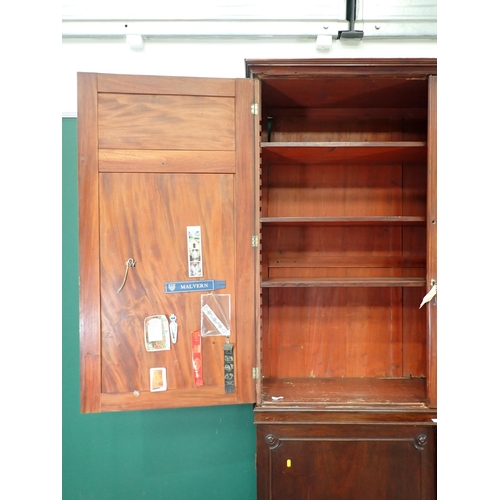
{"x":255,"y":240}
{"x":255,"y":372}
{"x":254,"y":108}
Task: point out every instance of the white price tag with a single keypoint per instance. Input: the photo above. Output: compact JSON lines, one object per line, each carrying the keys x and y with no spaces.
{"x":430,"y":295}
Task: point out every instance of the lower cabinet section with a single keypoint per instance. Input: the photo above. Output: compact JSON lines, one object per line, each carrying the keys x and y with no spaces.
{"x":319,"y":461}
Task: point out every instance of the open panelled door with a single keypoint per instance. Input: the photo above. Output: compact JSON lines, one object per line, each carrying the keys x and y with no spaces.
{"x":432,"y":241}
{"x":167,"y":215}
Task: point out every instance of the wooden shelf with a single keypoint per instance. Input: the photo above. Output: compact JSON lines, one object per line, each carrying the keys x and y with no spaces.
{"x":393,"y":281}
{"x":346,"y":153}
{"x":345,"y":145}
{"x":347,"y":392}
{"x":393,"y":220}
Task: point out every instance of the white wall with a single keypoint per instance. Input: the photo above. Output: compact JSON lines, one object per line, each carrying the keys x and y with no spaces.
{"x":212,"y":38}
{"x":210,"y":57}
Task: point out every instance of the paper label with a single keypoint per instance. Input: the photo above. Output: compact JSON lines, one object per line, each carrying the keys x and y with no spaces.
{"x":155,"y":331}
{"x":195,"y":261}
{"x":158,"y":379}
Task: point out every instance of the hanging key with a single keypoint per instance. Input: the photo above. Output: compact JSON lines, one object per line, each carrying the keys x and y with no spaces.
{"x":130,"y":263}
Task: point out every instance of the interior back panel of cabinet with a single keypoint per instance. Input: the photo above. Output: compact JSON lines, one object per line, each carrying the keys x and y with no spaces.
{"x":334,"y":190}
{"x":330,"y":332}
{"x":353,"y":93}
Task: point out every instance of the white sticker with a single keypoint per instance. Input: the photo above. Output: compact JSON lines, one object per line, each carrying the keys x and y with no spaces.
{"x":195,"y":261}
{"x":155,"y":330}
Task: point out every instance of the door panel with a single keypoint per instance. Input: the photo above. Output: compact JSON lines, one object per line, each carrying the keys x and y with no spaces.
{"x":432,"y":241}
{"x":348,"y":462}
{"x":347,"y":469}
{"x":144,"y":217}
{"x":153,"y":122}
{"x":154,"y":160}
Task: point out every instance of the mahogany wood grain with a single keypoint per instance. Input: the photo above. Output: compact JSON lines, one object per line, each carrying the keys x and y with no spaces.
{"x":346,"y":153}
{"x":164,"y":160}
{"x":414,"y":241}
{"x":343,"y":241}
{"x":345,"y":211}
{"x":345,"y":392}
{"x":142,"y":121}
{"x":402,"y":113}
{"x":346,"y":461}
{"x":144,"y":217}
{"x":352,"y":144}
{"x":361,"y":93}
{"x":158,"y":85}
{"x":343,"y":191}
{"x":395,"y":220}
{"x":259,"y":201}
{"x":432,"y":241}
{"x":333,"y":332}
{"x":326,"y":259}
{"x":88,"y":213}
{"x":346,"y":127}
{"x":414,"y":68}
{"x":152,"y":160}
{"x":172,"y":398}
{"x":245,"y":255}
{"x":343,"y":228}
{"x":344,"y":281}
{"x":340,"y":251}
{"x":414,"y":333}
{"x":314,"y":414}
{"x":347,"y":214}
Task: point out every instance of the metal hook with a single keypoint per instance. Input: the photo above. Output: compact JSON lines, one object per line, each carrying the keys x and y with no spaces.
{"x":130,"y":263}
